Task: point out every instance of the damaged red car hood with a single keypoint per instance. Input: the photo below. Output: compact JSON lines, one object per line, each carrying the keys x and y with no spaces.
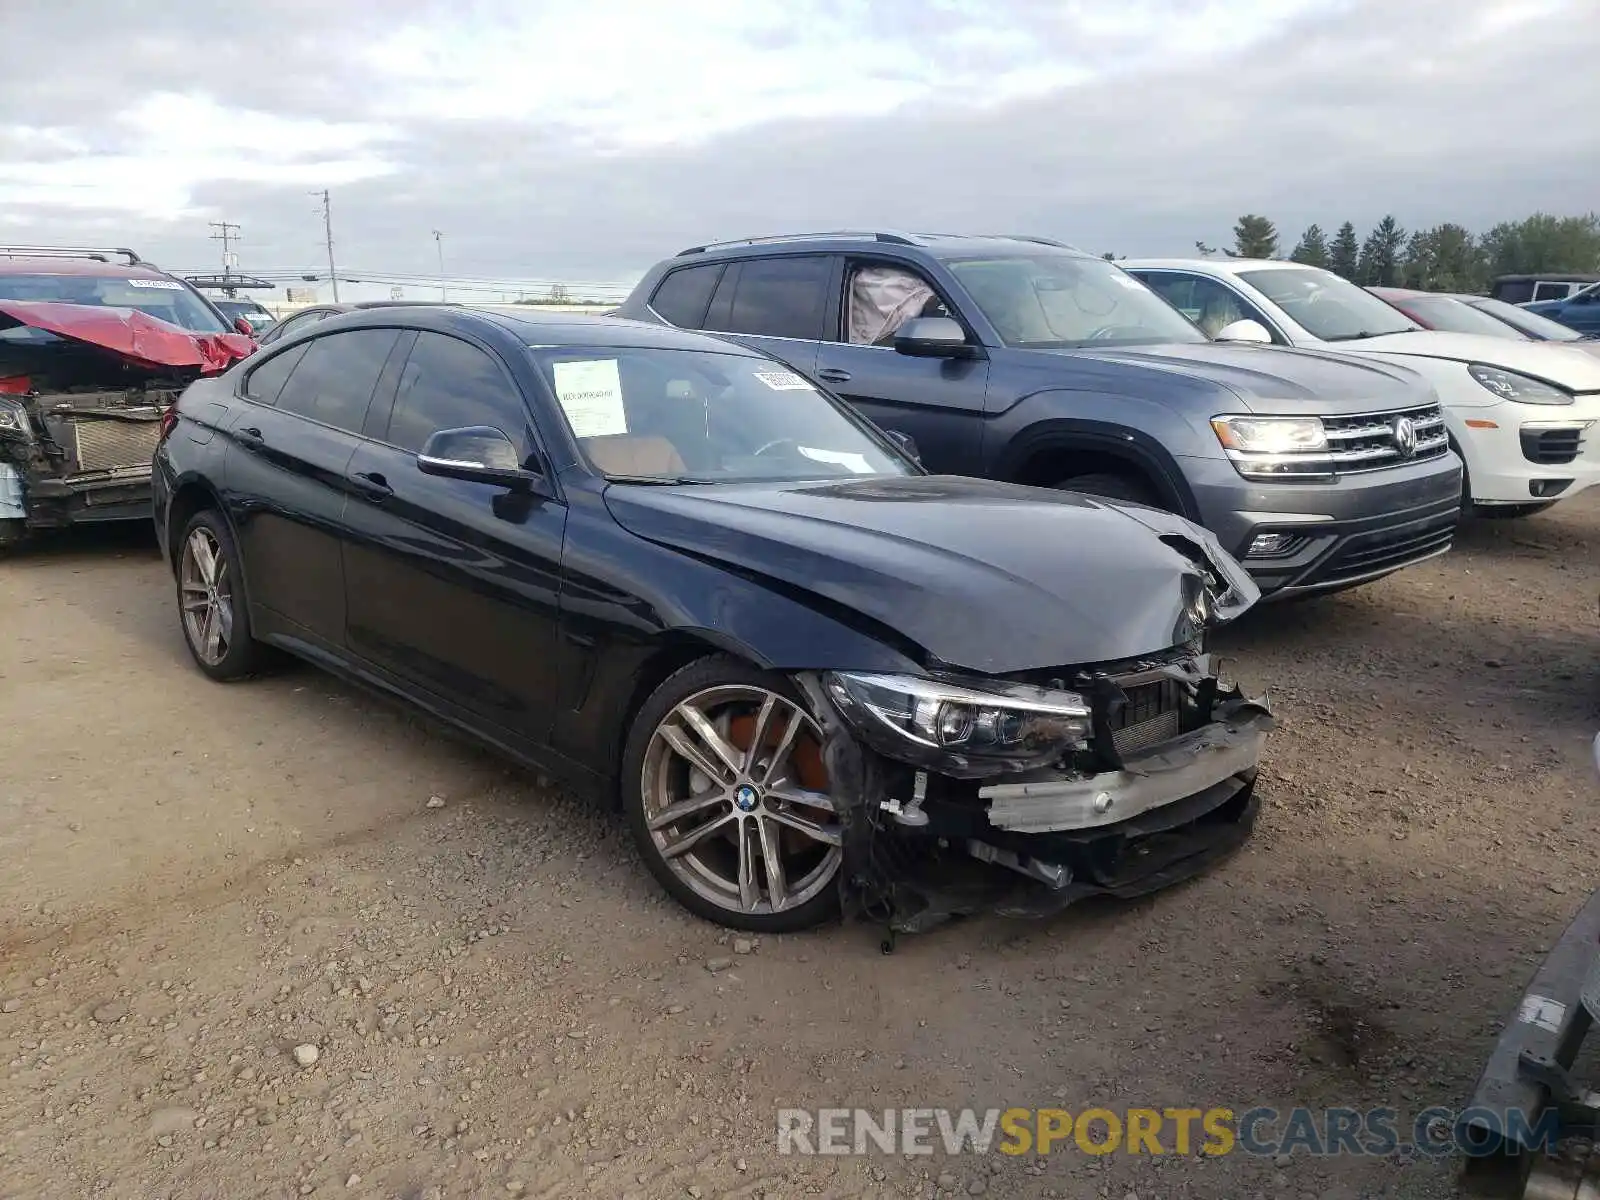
{"x":143,"y":340}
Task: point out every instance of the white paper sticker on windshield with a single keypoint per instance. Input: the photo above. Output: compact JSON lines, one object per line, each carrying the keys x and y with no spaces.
{"x":856,"y":464}
{"x":166,"y":285}
{"x":784,"y":381}
{"x":590,"y":391}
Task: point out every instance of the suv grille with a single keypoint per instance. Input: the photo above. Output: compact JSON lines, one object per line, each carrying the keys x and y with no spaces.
{"x":1361,"y":442}
{"x":1389,"y":549}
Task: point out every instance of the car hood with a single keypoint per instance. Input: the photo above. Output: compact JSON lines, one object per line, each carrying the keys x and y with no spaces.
{"x":981,"y":576}
{"x":1562,"y":364}
{"x":1277,"y":379}
{"x":137,"y":337}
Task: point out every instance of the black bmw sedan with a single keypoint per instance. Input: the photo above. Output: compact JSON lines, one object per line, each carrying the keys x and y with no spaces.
{"x":670,"y":570}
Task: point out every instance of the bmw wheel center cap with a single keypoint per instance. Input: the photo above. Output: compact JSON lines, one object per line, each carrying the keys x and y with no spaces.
{"x":745,"y":798}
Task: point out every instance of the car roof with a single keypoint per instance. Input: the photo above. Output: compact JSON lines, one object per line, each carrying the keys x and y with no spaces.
{"x":867,"y":241}
{"x":1225,"y":266}
{"x":541,"y":327}
{"x":51,"y":265}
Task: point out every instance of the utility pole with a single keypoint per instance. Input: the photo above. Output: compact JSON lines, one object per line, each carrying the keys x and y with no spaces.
{"x":327,"y":229}
{"x":438,"y":241}
{"x":227,"y":231}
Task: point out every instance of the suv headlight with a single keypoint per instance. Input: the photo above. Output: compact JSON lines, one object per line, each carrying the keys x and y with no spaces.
{"x":1524,"y":389}
{"x":1271,"y":435}
{"x":14,"y":420}
{"x":931,"y":721}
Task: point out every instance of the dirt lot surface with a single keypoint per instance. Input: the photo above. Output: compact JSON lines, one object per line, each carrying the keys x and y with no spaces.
{"x":198,"y":878}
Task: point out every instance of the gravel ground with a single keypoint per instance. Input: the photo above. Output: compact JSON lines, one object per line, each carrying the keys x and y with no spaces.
{"x":205,"y":888}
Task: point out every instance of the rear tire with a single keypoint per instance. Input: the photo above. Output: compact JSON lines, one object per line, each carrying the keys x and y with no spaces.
{"x":12,"y":534}
{"x":212,"y":609}
{"x":1111,"y":487}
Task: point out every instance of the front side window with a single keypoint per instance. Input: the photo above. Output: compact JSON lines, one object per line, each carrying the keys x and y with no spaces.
{"x":450,"y":384}
{"x":776,"y":297}
{"x":1210,"y":304}
{"x":1328,"y":306}
{"x":166,"y":299}
{"x":881,"y":298}
{"x":684,"y":295}
{"x":1055,"y":301}
{"x":334,"y":381}
{"x":294,"y":324}
{"x":1552,"y":291}
{"x":656,"y":415}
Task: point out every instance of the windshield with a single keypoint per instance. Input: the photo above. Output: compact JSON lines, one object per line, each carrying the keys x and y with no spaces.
{"x":1530,"y":323}
{"x":1327,"y":306}
{"x":258,"y":317}
{"x":1061,"y":301}
{"x":1452,"y":316}
{"x":166,"y":299}
{"x":657,"y":415}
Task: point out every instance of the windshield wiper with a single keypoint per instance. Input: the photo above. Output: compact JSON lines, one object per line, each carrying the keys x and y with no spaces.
{"x":660,"y":480}
{"x":1368,"y":333}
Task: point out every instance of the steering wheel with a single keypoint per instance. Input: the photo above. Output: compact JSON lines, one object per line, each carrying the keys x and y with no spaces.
{"x":773,"y":445}
{"x":1107,"y":331}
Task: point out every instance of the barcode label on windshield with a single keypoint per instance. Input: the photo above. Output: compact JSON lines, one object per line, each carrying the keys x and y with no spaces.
{"x":166,"y":285}
{"x":784,"y":381}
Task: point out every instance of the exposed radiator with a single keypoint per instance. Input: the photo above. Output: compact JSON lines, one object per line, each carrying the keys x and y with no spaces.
{"x":102,"y":445}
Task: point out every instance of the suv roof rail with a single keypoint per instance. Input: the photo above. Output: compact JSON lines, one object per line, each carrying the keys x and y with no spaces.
{"x":98,"y":253}
{"x":894,"y":239}
{"x":1035,"y":238}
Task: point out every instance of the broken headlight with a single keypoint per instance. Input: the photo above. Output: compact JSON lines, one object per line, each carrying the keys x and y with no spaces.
{"x":943,"y":723}
{"x":14,"y":420}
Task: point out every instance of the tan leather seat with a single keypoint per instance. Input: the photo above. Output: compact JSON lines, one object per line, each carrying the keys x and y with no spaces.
{"x":625,"y":454}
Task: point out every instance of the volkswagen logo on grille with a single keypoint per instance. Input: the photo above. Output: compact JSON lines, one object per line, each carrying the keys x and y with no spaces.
{"x":1405,"y":436}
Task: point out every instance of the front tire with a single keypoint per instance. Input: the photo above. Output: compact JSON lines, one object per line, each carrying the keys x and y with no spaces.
{"x":727,"y":799}
{"x":211,"y":601}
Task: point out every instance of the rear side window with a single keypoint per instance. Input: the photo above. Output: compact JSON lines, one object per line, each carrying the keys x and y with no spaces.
{"x":684,"y":295}
{"x":450,"y":384}
{"x":776,"y":297}
{"x":266,"y":380}
{"x":336,"y":376}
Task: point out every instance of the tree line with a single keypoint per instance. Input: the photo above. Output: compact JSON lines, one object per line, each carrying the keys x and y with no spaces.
{"x":1445,"y":258}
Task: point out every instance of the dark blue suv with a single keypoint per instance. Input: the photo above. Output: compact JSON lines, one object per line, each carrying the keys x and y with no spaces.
{"x":1026,"y":360}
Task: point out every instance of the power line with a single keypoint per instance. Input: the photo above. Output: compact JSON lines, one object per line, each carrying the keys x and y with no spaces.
{"x":327,"y":229}
{"x":227,"y":231}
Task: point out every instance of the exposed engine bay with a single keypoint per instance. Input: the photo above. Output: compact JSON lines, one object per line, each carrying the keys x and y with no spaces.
{"x":79,"y":420}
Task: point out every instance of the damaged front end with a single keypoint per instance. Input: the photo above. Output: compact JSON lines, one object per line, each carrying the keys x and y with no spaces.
{"x":79,"y":421}
{"x":1022,"y":795}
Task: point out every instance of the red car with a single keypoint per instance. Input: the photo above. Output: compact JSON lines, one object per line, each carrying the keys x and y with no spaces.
{"x":94,"y":345}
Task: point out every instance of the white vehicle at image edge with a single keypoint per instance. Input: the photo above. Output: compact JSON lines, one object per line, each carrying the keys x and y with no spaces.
{"x":1522,"y":415}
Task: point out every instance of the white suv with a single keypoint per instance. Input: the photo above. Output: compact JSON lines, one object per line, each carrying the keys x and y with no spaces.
{"x":1521,"y":414}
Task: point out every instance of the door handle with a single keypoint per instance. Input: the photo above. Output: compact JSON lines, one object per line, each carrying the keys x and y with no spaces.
{"x":372,"y":485}
{"x":834,"y":375}
{"x":250,"y":436}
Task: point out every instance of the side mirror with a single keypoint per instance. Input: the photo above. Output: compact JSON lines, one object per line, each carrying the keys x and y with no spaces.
{"x":240,"y":325}
{"x":1244,"y":331}
{"x":907,"y":445}
{"x":478,"y":454}
{"x":932,"y":337}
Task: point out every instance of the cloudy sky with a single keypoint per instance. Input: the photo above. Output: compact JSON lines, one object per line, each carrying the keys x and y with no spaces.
{"x":581,"y":142}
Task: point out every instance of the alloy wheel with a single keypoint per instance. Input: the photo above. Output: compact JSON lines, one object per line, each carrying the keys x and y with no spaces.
{"x":736,"y":800}
{"x":205,"y":591}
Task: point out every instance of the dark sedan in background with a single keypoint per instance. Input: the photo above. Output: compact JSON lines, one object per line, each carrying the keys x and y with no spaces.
{"x":669,"y":568}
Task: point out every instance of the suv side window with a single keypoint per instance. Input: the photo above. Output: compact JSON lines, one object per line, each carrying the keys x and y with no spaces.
{"x":775,"y":297}
{"x":684,"y":295}
{"x":336,"y":376}
{"x":450,"y":384}
{"x":266,"y":380}
{"x":1209,"y":304}
{"x":880,"y":297}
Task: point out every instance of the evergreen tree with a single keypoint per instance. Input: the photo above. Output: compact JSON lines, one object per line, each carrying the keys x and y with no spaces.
{"x":1342,"y":257}
{"x":1312,"y":248}
{"x":1379,"y":264}
{"x":1254,"y":237}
